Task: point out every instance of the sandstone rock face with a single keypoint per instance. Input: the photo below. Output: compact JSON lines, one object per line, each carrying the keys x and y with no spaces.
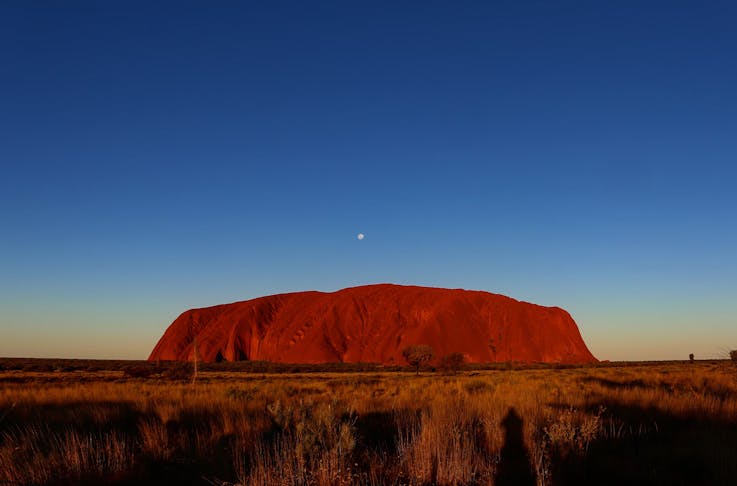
{"x":375,"y":323}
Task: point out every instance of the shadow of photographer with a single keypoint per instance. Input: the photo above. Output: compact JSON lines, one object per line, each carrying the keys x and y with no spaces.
{"x":514,"y":465}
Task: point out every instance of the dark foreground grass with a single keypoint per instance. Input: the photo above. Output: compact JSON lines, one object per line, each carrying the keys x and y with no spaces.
{"x":125,"y":423}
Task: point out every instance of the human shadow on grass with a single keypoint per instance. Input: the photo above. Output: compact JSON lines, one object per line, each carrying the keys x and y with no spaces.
{"x":377,"y":431}
{"x":514,"y":467}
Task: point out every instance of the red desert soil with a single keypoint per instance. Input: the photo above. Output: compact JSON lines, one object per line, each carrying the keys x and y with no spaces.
{"x":374,"y":323}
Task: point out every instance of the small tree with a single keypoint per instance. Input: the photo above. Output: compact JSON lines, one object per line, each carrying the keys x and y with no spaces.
{"x":733,"y":356}
{"x":417,"y":355}
{"x":452,"y":362}
{"x":690,"y":357}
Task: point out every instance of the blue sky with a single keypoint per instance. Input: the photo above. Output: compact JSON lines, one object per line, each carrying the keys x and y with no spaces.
{"x":161,"y":157}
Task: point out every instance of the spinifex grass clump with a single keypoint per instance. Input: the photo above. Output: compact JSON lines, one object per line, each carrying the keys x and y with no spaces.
{"x":318,"y":427}
{"x":311,"y":444}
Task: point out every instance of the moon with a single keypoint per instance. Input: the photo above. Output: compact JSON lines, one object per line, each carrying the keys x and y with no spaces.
{"x":360,"y":236}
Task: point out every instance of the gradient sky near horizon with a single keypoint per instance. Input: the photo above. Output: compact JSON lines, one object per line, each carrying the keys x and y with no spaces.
{"x":159,"y":156}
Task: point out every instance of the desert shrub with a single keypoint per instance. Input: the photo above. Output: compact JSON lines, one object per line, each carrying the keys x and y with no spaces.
{"x":324,"y":428}
{"x":281,"y":414}
{"x":180,"y":371}
{"x":452,"y":362}
{"x":12,"y":365}
{"x":138,"y":371}
{"x":39,"y":367}
{"x":318,"y":426}
{"x":311,"y":445}
{"x":573,"y":431}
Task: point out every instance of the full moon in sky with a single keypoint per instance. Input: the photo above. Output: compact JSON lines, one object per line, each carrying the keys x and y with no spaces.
{"x":360,"y":236}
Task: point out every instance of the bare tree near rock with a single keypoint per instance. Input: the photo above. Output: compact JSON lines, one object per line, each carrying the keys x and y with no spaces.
{"x":418,"y":355}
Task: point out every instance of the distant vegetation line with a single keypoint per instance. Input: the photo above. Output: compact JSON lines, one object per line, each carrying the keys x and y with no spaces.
{"x":73,"y":364}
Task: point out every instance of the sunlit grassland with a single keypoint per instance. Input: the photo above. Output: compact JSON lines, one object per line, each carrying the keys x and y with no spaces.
{"x":672,"y":423}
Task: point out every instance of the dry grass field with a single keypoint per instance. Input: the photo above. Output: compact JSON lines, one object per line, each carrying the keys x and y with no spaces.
{"x":650,"y":423}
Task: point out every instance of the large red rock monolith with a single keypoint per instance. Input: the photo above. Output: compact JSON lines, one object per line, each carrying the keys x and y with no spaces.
{"x":374,"y":323}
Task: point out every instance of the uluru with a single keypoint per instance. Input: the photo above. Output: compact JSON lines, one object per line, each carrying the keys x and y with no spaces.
{"x":374,"y":323}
